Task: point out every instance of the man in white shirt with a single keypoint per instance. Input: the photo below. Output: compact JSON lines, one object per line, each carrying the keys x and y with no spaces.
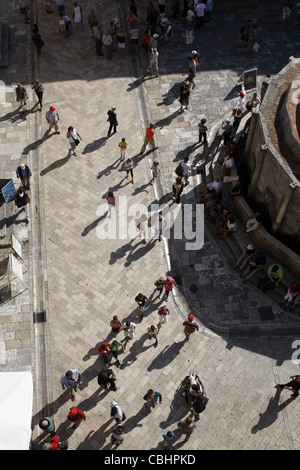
{"x":186,"y":170}
{"x":200,"y":11}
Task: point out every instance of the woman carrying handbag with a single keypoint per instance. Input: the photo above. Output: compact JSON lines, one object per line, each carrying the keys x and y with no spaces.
{"x":73,"y":136}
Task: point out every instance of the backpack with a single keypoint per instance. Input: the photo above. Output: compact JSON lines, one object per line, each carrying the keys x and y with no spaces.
{"x":179,"y":170}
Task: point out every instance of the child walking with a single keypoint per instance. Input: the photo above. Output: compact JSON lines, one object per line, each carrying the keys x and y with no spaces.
{"x":123,"y":146}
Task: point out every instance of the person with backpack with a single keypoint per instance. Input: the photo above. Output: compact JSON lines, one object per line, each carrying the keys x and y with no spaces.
{"x":23,"y":173}
{"x":117,"y":413}
{"x":184,"y":98}
{"x":76,"y":415}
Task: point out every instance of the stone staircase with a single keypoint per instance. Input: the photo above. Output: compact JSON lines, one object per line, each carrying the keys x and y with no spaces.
{"x":234,"y":244}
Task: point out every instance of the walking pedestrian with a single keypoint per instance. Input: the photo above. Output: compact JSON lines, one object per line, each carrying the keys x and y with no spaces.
{"x":52,"y":117}
{"x":46,"y":424}
{"x":98,"y":35}
{"x":77,"y":15}
{"x":23,"y":173}
{"x":141,"y":300}
{"x":116,"y":325}
{"x":107,"y":377}
{"x":191,"y":68}
{"x":142,"y":224}
{"x":55,"y":444}
{"x":186,"y":427}
{"x":202,"y":131}
{"x":117,"y":436}
{"x":22,"y":200}
{"x":155,"y":171}
{"x":190,"y":326}
{"x":112,"y":119}
{"x":92,"y":20}
{"x":129,"y":330}
{"x":117,"y":413}
{"x":177,"y":190}
{"x":240,"y":107}
{"x":111,"y":202}
{"x":253,"y":45}
{"x":104,"y":351}
{"x":134,"y":33}
{"x":24,"y":7}
{"x":185,"y":91}
{"x":245,"y":32}
{"x":21,"y":95}
{"x":39,"y":91}
{"x":76,"y":415}
{"x":129,"y":165}
{"x":38,"y":42}
{"x":73,"y":137}
{"x":121,"y":41}
{"x":60,"y":5}
{"x":149,"y":138}
{"x":169,"y":284}
{"x":61,"y":25}
{"x":153,"y":62}
{"x":160,"y":224}
{"x":152,"y":398}
{"x":152,"y":333}
{"x":163,"y":313}
{"x":293,"y":385}
{"x":200,"y":10}
{"x":189,"y":29}
{"x":47,"y":4}
{"x":123,"y":146}
{"x":160,"y":284}
{"x":168,"y":438}
{"x":116,"y":348}
{"x":70,"y":380}
{"x":107,"y":42}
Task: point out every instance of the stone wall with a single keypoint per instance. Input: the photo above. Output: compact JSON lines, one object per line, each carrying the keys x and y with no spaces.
{"x":273,"y":185}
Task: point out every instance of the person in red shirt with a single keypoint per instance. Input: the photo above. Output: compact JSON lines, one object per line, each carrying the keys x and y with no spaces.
{"x":104,"y":351}
{"x":76,"y":415}
{"x":292,"y":295}
{"x":163,"y":313}
{"x":149,"y":138}
{"x":190,"y":326}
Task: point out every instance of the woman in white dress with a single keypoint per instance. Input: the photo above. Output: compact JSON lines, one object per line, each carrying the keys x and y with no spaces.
{"x":77,"y":15}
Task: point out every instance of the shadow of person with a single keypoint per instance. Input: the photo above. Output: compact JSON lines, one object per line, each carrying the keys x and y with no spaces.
{"x":93,"y":146}
{"x":21,"y":114}
{"x":178,"y":408}
{"x":95,"y":440}
{"x":171,"y":95}
{"x":109,"y":168}
{"x":167,"y":120}
{"x":270,"y":415}
{"x":135,"y":255}
{"x":166,"y":356}
{"x":136,"y":348}
{"x":49,"y":410}
{"x":121,"y":252}
{"x":55,"y":165}
{"x":134,"y":421}
{"x":92,"y":225}
{"x":36,"y":144}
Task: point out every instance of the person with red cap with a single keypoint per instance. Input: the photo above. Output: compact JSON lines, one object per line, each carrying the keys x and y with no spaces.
{"x":76,"y":415}
{"x":190,"y":326}
{"x":52,"y":118}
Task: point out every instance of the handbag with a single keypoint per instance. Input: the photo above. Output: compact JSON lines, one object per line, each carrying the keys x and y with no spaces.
{"x":255,"y":47}
{"x":76,"y":141}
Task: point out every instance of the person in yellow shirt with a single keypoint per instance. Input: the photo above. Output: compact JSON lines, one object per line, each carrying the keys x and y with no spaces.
{"x":123,"y":146}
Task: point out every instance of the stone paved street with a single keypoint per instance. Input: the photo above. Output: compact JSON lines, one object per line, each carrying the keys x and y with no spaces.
{"x":87,"y":278}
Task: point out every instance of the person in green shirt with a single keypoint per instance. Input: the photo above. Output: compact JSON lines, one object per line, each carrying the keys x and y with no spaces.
{"x":115,"y":346}
{"x":272,"y":279}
